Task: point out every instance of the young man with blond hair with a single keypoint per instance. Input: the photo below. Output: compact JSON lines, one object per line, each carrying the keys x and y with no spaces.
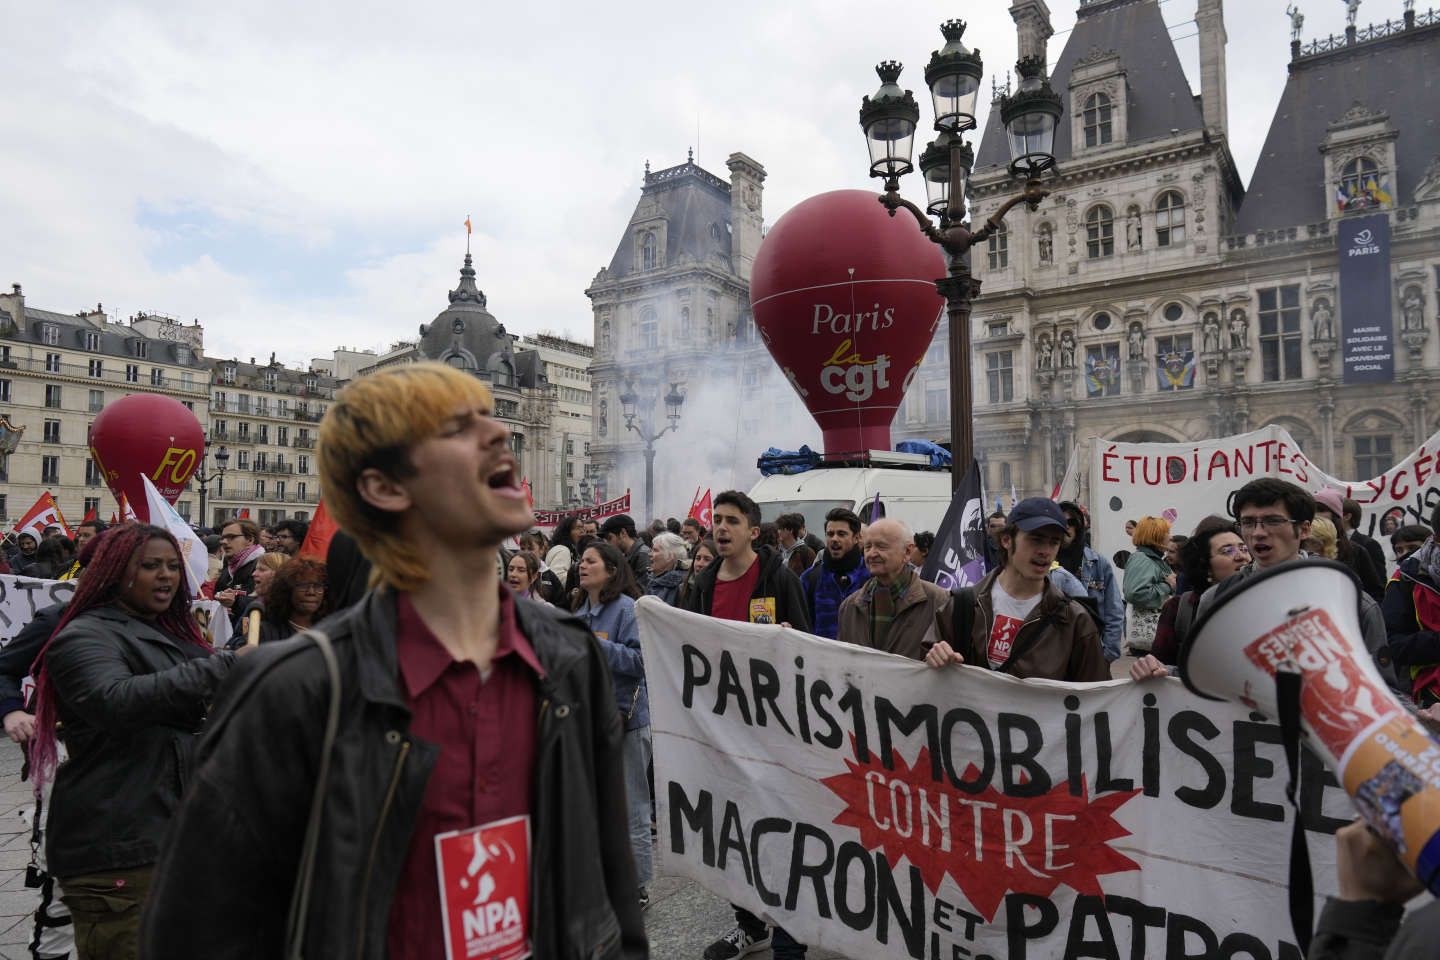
{"x":463,"y":714}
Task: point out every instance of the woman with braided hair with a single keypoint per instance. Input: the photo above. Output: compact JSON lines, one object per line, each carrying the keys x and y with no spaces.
{"x":124,"y":681}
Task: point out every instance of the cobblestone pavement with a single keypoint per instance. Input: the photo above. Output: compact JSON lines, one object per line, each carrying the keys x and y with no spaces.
{"x":17,"y":903}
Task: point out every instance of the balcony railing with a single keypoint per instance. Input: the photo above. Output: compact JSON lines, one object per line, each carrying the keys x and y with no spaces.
{"x":304,"y":443}
{"x":308,"y":417}
{"x":81,"y":372}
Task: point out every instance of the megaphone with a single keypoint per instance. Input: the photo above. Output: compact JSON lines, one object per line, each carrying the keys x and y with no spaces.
{"x":1303,"y":618}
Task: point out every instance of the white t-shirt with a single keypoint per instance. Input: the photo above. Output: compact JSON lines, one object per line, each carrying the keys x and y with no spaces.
{"x":1009,"y":614}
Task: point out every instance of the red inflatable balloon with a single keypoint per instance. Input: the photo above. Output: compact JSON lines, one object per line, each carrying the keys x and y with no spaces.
{"x":845,"y":298}
{"x":145,"y":433}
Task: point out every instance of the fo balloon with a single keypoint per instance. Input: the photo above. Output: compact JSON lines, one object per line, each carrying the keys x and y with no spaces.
{"x":844,"y":295}
{"x":146,"y":434}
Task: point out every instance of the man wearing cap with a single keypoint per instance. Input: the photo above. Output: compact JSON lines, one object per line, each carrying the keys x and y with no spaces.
{"x":619,"y":531}
{"x":1017,"y":621}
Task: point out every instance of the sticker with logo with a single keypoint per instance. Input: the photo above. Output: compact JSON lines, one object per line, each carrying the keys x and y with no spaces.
{"x":762,"y":609}
{"x":485,"y":890}
{"x":1002,"y":638}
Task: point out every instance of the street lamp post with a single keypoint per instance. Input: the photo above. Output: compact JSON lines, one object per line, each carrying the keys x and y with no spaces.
{"x":204,"y":475}
{"x":889,"y":119}
{"x":638,"y":402}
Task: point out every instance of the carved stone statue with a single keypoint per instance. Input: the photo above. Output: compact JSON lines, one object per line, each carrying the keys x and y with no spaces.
{"x":1297,"y":21}
{"x":1210,"y":333}
{"x":1239,"y":330}
{"x":1322,"y":321}
{"x":1045,"y":356}
{"x":1132,"y":231}
{"x":1137,"y":342}
{"x":1352,"y":10}
{"x":1047,"y":246}
{"x":604,"y":416}
{"x":1067,"y":350}
{"x":1412,"y":310}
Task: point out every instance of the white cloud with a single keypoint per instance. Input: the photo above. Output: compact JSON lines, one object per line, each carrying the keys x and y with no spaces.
{"x":360,"y":135}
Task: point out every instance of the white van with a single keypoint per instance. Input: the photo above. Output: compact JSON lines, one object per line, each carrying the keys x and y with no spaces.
{"x":910,"y":490}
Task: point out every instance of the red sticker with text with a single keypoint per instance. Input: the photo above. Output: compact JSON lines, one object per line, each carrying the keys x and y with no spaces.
{"x":485,"y":890}
{"x":1002,"y":637}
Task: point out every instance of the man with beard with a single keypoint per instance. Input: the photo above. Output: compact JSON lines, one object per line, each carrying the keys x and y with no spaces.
{"x":840,"y":572}
{"x":1097,"y":575}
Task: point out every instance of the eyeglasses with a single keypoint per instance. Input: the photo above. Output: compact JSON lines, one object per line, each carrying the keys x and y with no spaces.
{"x":1269,"y":523}
{"x":1230,"y":549}
{"x":310,"y":587}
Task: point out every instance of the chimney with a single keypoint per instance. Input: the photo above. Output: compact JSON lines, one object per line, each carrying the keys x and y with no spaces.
{"x":1032,"y":28}
{"x":1210,"y":20}
{"x":747,"y":180}
{"x":13,"y":303}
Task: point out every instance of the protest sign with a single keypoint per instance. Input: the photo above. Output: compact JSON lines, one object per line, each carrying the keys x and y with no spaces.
{"x":875,"y":807}
{"x":22,"y":597}
{"x":550,"y":518}
{"x":1185,"y":482}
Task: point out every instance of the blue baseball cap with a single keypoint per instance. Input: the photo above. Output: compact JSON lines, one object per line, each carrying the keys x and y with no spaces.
{"x":1036,"y":513}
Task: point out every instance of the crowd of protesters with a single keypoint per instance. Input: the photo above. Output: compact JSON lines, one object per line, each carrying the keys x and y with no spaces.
{"x":449,"y":666}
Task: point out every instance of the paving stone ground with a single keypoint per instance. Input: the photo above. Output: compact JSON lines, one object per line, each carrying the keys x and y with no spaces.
{"x":17,"y":903}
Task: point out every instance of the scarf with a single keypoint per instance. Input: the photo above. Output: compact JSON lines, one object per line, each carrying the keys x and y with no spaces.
{"x":243,"y":557}
{"x":1428,"y":557}
{"x":847,"y":562}
{"x":883,"y":601}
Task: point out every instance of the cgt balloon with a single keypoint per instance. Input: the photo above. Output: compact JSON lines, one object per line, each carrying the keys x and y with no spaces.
{"x":148,"y":434}
{"x":844,"y":296}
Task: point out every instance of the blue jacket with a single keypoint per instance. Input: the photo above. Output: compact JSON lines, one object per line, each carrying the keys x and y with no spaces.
{"x":615,"y":626}
{"x":826,"y":585}
{"x":1099,"y":579}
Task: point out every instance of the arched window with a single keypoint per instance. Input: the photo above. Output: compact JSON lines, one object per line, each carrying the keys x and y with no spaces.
{"x":1170,"y":219}
{"x":1359,"y":181}
{"x":998,"y":247}
{"x":1098,"y":128}
{"x":1099,"y":232}
{"x":649,"y":330}
{"x":647,"y":251}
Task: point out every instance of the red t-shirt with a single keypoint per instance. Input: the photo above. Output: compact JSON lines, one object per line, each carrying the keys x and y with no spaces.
{"x":486,"y":733}
{"x":732,"y":597}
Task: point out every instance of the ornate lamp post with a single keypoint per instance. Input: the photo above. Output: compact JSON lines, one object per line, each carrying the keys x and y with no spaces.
{"x":638,"y":402}
{"x":889,"y":119}
{"x":204,"y":475}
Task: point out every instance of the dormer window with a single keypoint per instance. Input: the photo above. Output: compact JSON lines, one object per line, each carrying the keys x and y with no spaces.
{"x":1362,"y":185}
{"x":92,"y":341}
{"x":270,"y":379}
{"x":310,"y":383}
{"x":142,"y":349}
{"x":227,"y":373}
{"x":1099,"y":129}
{"x":50,"y":334}
{"x":648,"y":250}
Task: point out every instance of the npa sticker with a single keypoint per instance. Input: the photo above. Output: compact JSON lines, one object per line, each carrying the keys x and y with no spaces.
{"x":485,"y":890}
{"x":762,"y":609}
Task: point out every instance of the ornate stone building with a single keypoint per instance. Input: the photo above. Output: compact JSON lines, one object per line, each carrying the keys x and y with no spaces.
{"x":674,"y":306}
{"x":1154,"y":296}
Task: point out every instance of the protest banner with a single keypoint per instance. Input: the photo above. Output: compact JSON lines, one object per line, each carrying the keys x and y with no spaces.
{"x":875,"y":807}
{"x":549,"y":518}
{"x":1185,"y":482}
{"x":22,"y":597}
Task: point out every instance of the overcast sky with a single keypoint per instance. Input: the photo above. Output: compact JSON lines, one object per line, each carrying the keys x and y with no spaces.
{"x":297,"y":176}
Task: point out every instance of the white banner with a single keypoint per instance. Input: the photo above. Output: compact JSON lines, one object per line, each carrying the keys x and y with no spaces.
{"x":22,"y":597}
{"x":875,"y":807}
{"x":1185,"y":482}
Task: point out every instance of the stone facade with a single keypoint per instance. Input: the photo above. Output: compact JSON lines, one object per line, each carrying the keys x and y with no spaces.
{"x":1150,"y":252}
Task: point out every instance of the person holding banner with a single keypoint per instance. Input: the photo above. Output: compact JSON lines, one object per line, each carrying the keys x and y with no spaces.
{"x":130,"y":677}
{"x":437,"y":720}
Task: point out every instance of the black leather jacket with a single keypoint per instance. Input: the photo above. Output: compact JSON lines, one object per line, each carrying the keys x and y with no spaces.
{"x":239,"y":834}
{"x":131,"y":701}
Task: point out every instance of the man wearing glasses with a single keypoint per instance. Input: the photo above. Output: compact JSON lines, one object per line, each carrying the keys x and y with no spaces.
{"x":240,"y":543}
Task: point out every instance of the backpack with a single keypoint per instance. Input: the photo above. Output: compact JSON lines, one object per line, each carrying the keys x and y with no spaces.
{"x":962,"y":618}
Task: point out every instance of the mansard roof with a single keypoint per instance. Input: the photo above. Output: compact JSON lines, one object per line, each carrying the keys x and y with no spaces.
{"x":1158,"y":95}
{"x":695,"y":205}
{"x":1393,"y":73}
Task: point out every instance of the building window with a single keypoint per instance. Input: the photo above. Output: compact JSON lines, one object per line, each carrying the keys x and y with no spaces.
{"x":270,"y":379}
{"x":1098,"y":127}
{"x":50,"y":469}
{"x":259,"y":489}
{"x":91,"y":505}
{"x":3,"y":512}
{"x":242,"y":459}
{"x":1007,"y":479}
{"x":302,"y":464}
{"x":92,"y":473}
{"x":52,"y":431}
{"x":227,"y":374}
{"x":570,"y":468}
{"x":1175,"y":362}
{"x":1374,"y":454}
{"x":279,"y":489}
{"x":998,"y":248}
{"x":187,"y":380}
{"x":999,"y":328}
{"x":51,"y":334}
{"x":242,"y":430}
{"x":52,"y":363}
{"x":282,"y":436}
{"x":647,"y":251}
{"x":97,"y":368}
{"x":142,"y":349}
{"x":1100,"y":232}
{"x":1000,"y":375}
{"x":1280,"y":333}
{"x":1101,"y":321}
{"x":1170,"y":219}
{"x":4,"y":391}
{"x":97,"y":401}
{"x":263,"y":433}
{"x":1102,"y":369}
{"x":1173,"y":312}
{"x":937,"y":401}
{"x":301,"y":492}
{"x":92,"y":341}
{"x":262,"y":406}
{"x":132,"y":373}
{"x":649,"y":330}
{"x":1359,"y":182}
{"x":183,"y":508}
{"x":157,"y":377}
{"x":52,"y":396}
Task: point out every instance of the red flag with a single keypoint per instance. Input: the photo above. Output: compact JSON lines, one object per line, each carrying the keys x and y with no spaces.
{"x":113,"y":519}
{"x":92,"y":514}
{"x":244,"y":514}
{"x":317,"y":538}
{"x":701,"y":511}
{"x":529,"y":497}
{"x":45,"y":513}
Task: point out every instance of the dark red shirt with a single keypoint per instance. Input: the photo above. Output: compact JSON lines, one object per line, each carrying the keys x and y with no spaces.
{"x":732,"y":597}
{"x":486,"y":732}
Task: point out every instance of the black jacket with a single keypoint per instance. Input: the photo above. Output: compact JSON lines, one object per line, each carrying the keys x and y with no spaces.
{"x":20,"y":653}
{"x":1414,"y":640}
{"x":239,"y":833}
{"x":1369,"y":930}
{"x":242,"y":579}
{"x":1372,"y":549}
{"x":775,"y":580}
{"x":131,"y":701}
